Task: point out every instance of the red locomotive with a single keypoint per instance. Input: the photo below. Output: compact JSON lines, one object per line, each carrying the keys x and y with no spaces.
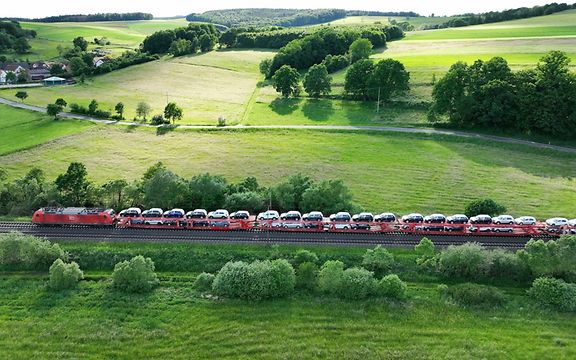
{"x":75,"y":216}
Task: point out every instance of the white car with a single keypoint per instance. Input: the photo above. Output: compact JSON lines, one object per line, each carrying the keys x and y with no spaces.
{"x":525,"y":220}
{"x":153,"y":213}
{"x":503,"y":219}
{"x":197,"y":214}
{"x":130,"y":212}
{"x":268,"y":215}
{"x":557,"y":221}
{"x":572,"y":224}
{"x":218,"y":214}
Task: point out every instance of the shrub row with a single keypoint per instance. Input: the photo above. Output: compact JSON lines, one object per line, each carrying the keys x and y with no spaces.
{"x":25,"y":252}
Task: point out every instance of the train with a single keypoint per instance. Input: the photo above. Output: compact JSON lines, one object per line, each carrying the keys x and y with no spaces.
{"x":220,"y":220}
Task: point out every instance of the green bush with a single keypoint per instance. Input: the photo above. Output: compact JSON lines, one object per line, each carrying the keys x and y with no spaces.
{"x":426,"y":254}
{"x":554,"y":293}
{"x":507,"y":265}
{"x":136,"y":275}
{"x":378,"y":260}
{"x":474,"y":295}
{"x":391,"y":286}
{"x":204,"y":281}
{"x":468,"y":261}
{"x":554,"y":258}
{"x":64,"y":276}
{"x":25,"y":252}
{"x":256,"y":281}
{"x":357,"y":283}
{"x":307,"y":276}
{"x":330,"y":276}
{"x":484,"y":206}
{"x":303,"y":256}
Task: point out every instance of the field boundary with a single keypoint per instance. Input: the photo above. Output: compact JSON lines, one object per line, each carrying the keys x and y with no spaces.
{"x":426,"y":131}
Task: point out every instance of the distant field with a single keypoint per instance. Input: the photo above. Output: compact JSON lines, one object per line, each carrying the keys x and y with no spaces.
{"x":385,"y":171}
{"x":23,"y":129}
{"x":122,"y":34}
{"x":365,"y":20}
{"x":207,"y":86}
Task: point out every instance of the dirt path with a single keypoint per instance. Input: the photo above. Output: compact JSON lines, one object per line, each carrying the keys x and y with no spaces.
{"x":312,"y":127}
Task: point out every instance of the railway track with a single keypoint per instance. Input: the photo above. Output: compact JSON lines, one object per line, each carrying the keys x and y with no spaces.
{"x":94,"y":234}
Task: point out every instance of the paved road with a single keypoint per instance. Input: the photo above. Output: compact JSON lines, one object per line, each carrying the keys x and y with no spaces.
{"x":313,"y":127}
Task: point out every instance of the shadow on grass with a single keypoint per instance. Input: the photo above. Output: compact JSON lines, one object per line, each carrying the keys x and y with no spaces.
{"x":318,"y":109}
{"x":163,"y":130}
{"x":285,"y":106}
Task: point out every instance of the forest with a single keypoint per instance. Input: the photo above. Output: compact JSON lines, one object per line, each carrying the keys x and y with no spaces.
{"x":14,"y":38}
{"x":95,"y":17}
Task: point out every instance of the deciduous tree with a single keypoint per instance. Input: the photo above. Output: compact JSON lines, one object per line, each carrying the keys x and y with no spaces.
{"x":286,"y":81}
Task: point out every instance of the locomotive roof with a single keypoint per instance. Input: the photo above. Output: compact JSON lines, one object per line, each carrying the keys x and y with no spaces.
{"x":73,"y":211}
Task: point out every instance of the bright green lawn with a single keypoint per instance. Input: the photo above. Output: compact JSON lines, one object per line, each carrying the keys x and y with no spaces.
{"x":173,"y":322}
{"x":385,"y":171}
{"x":24,"y":129}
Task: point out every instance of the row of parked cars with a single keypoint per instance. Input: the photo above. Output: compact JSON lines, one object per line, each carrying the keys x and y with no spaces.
{"x":358,"y":221}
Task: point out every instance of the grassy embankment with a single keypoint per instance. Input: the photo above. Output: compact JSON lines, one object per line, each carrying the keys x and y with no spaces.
{"x":385,"y":171}
{"x":175,"y":322}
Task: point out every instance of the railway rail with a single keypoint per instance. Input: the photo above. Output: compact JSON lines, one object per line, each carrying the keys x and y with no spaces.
{"x":108,"y":234}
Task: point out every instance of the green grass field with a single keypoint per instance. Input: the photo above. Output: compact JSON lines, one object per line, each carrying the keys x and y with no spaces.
{"x":175,"y":322}
{"x":206,"y":86}
{"x":122,"y":34}
{"x":385,"y":171}
{"x":22,"y":129}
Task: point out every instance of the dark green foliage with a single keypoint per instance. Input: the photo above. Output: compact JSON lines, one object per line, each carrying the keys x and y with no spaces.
{"x":207,"y":191}
{"x":329,"y":196}
{"x":14,"y":38}
{"x":303,"y":256}
{"x":317,"y":82}
{"x":61,"y":102}
{"x":287,"y":195}
{"x":25,"y":252}
{"x":80,"y":43}
{"x":173,"y":112}
{"x":25,"y":194}
{"x":507,"y":265}
{"x":265,"y":66}
{"x":358,"y":77}
{"x":97,"y":17}
{"x":195,"y":36}
{"x":357,"y":283}
{"x":554,"y":293}
{"x":265,"y":17}
{"x":390,"y":286}
{"x":307,"y":276}
{"x":79,"y":109}
{"x":360,"y":49}
{"x":551,"y":258}
{"x":330,"y":276}
{"x":119,"y":108}
{"x":204,"y":281}
{"x":368,"y":81}
{"x":22,"y":95}
{"x":474,"y":295}
{"x":165,"y":189}
{"x":484,"y":206}
{"x":158,"y":119}
{"x":255,"y":281}
{"x":489,"y":94}
{"x":378,"y":260}
{"x":135,"y":276}
{"x":128,"y":58}
{"x":53,"y":110}
{"x":64,"y":276}
{"x":334,"y":63}
{"x":286,"y":81}
{"x":426,"y":254}
{"x":268,"y":38}
{"x":250,"y":201}
{"x":73,"y":185}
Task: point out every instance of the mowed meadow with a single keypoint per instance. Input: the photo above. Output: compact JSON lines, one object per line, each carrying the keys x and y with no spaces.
{"x":385,"y":171}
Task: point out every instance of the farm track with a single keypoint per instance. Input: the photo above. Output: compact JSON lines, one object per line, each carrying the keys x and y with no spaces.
{"x":427,"y":131}
{"x":90,"y":234}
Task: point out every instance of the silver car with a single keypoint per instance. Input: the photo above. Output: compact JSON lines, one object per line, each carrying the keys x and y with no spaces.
{"x":525,"y":220}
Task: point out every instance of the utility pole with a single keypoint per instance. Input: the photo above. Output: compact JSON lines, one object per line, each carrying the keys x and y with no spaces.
{"x":378,"y":103}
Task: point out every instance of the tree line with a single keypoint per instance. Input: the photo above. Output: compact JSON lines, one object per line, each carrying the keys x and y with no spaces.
{"x":95,"y":17}
{"x":488,"y":94}
{"x":267,"y":17}
{"x":181,"y":41}
{"x":14,"y":38}
{"x":498,"y":16}
{"x":160,"y":187}
{"x":313,"y":48}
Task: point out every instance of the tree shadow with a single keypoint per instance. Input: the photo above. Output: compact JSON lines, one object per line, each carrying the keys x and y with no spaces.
{"x":318,"y":109}
{"x":285,"y":106}
{"x":165,"y":129}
